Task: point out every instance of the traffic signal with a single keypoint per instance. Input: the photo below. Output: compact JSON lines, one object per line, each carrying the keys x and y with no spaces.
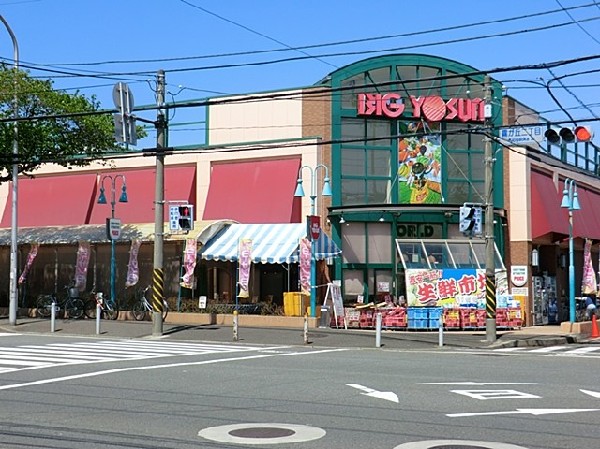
{"x":470,"y":220}
{"x":569,"y":135}
{"x":186,"y":217}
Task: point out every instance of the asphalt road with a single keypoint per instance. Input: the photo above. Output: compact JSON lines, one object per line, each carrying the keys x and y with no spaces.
{"x":75,"y":392}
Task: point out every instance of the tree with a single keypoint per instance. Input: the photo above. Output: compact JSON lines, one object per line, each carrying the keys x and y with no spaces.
{"x":67,"y":140}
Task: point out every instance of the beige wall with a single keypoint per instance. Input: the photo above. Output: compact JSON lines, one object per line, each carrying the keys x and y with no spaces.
{"x":256,"y":118}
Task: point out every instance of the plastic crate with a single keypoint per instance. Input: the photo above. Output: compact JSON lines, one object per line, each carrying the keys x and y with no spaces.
{"x":417,"y":313}
{"x":451,"y":318}
{"x":418,"y":323}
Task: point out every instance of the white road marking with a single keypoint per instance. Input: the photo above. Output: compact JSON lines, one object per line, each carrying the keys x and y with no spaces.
{"x":60,"y":354}
{"x":526,"y":411}
{"x":151,"y":367}
{"x":593,"y":394}
{"x":387,"y":395}
{"x":495,"y":394}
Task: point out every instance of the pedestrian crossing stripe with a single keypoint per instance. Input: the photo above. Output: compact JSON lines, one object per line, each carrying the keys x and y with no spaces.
{"x":14,"y":358}
{"x":561,"y":350}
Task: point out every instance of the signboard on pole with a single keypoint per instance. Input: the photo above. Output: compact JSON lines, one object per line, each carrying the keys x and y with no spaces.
{"x":113,"y":228}
{"x":314,"y":226}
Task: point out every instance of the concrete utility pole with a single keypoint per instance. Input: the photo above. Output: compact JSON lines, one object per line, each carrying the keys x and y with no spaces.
{"x":158,"y":276}
{"x":490,"y":267}
{"x":13,"y":296}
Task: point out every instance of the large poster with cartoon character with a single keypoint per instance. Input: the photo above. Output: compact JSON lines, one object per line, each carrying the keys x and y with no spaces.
{"x":419,"y":166}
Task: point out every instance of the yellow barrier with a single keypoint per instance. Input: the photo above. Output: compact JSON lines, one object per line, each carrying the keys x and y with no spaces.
{"x":294,"y":303}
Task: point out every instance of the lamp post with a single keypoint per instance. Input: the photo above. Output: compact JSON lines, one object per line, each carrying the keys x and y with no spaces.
{"x":12,"y":304}
{"x":102,"y":200}
{"x":313,"y":197}
{"x":571,"y":202}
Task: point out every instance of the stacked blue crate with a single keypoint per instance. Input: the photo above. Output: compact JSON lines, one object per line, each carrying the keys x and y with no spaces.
{"x":434,"y":314}
{"x":417,"y":318}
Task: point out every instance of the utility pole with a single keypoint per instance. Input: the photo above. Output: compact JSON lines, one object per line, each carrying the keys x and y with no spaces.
{"x":158,"y":275}
{"x":490,"y":268}
{"x":13,"y":288}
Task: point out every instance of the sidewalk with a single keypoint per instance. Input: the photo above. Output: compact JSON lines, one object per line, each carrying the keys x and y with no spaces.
{"x":318,"y":337}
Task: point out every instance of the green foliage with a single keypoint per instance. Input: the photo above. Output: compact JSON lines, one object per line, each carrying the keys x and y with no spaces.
{"x":66,"y":140}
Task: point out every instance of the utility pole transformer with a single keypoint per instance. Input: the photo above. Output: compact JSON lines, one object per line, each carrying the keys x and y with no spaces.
{"x":490,"y":268}
{"x":158,"y":275}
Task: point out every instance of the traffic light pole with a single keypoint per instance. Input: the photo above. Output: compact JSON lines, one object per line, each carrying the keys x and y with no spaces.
{"x":490,"y":268}
{"x":159,"y":204}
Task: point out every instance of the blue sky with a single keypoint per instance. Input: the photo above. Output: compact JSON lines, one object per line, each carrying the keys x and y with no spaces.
{"x":105,"y":41}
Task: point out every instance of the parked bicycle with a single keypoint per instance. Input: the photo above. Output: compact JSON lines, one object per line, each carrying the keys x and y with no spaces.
{"x":141,"y":306}
{"x":71,"y":304}
{"x":110,"y":308}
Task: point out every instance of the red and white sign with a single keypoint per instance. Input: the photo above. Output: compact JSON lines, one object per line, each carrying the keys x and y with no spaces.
{"x":432,"y":108}
{"x":519,"y":275}
{"x":314,"y":226}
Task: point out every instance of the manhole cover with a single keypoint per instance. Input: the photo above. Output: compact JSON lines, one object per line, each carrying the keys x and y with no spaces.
{"x":457,"y":444}
{"x":454,"y":446}
{"x":262,"y":432}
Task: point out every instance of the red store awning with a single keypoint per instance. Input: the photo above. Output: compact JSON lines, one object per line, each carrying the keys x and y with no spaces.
{"x":547,"y":217}
{"x":254,"y":192}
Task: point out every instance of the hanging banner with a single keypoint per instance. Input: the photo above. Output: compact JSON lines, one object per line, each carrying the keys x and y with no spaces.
{"x":588,"y":283}
{"x":83,"y":259}
{"x":133,"y":272}
{"x":245,"y":260}
{"x":30,"y":258}
{"x":305,"y":259}
{"x":189,"y":263}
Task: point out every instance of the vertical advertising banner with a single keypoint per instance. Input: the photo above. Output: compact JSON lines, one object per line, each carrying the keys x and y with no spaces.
{"x":305,"y":260}
{"x":189,"y":263}
{"x":30,"y":258}
{"x":588,"y":282}
{"x":419,"y":166}
{"x":83,"y":259}
{"x":133,"y":272}
{"x":245,"y":261}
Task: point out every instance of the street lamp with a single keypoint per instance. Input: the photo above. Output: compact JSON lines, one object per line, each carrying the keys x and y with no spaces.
{"x":571,"y":202}
{"x":102,"y":200}
{"x":313,"y":196}
{"x":12,"y":304}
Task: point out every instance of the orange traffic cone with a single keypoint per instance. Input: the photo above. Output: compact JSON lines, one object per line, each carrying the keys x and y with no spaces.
{"x":595,"y":333}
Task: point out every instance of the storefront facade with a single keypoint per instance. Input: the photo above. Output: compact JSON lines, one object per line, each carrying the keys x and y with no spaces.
{"x":403,"y":140}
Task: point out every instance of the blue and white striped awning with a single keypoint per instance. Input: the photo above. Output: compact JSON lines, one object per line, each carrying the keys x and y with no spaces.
{"x":271,"y":243}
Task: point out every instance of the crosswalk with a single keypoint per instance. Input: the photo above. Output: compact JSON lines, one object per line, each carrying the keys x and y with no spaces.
{"x":559,"y":350}
{"x":14,"y":358}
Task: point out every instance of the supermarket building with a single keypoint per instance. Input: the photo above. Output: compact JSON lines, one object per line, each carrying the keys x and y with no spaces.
{"x":402,"y":137}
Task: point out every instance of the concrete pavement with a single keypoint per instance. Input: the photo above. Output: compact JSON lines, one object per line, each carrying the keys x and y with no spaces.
{"x":315,"y":337}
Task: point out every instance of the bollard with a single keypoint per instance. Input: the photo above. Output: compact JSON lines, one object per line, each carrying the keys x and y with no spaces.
{"x":235,"y":325}
{"x":98,"y":315}
{"x":53,"y":317}
{"x":378,"y":330}
{"x":305,"y":328}
{"x":441,"y":333}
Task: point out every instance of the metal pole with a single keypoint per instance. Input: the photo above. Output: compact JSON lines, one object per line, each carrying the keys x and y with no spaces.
{"x":441,"y":331}
{"x":313,"y":262}
{"x":159,"y":204}
{"x":12,"y":304}
{"x":113,"y":290}
{"x":98,"y":315}
{"x":235,"y":325}
{"x":305,"y":328}
{"x":571,"y":262}
{"x":490,"y":268}
{"x":378,"y":330}
{"x":53,"y":317}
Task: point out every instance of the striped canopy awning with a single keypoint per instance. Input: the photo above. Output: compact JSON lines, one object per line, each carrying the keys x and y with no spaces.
{"x":271,"y":243}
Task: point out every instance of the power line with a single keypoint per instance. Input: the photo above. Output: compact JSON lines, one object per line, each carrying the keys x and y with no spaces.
{"x":345,"y":42}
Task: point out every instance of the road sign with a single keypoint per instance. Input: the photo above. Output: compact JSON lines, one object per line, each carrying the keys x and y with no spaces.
{"x":524,"y":134}
{"x":174,"y":218}
{"x":123,"y":98}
